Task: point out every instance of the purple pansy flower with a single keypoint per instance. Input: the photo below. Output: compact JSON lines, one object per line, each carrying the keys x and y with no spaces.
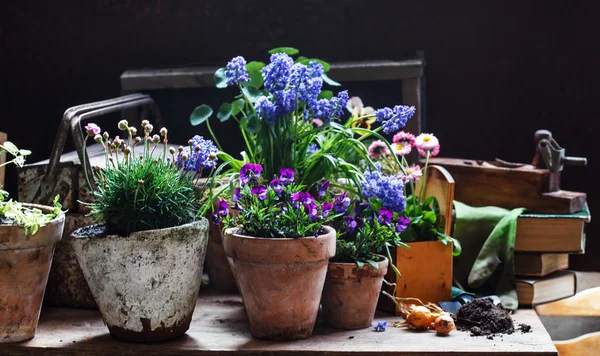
{"x":323,"y":187}
{"x":326,"y":208}
{"x":236,"y":195}
{"x":260,"y":191}
{"x":250,"y":172}
{"x":311,"y":210}
{"x":385,"y":217}
{"x":402,"y":224}
{"x":222,"y":208}
{"x":301,"y":198}
{"x":276,"y":186}
{"x":350,"y":223}
{"x":286,"y":176}
{"x":341,"y":203}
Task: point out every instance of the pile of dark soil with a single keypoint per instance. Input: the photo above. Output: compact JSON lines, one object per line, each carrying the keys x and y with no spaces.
{"x":482,"y":317}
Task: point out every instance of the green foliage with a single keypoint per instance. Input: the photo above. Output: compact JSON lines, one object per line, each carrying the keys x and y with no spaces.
{"x":287,"y":50}
{"x":200,"y":114}
{"x":143,"y":195}
{"x":31,"y":219}
{"x":19,"y":155}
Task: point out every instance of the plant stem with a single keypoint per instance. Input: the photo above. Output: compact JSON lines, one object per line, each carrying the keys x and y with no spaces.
{"x":213,"y":134}
{"x":424,"y":176}
{"x":85,"y":172}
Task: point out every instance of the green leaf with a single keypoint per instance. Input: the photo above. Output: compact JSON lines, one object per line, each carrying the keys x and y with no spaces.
{"x":220,"y":78}
{"x":237,"y":106}
{"x":24,"y":152}
{"x":373,"y":264}
{"x":252,"y":123}
{"x":200,"y":114}
{"x":429,"y":217}
{"x":11,"y":148}
{"x":325,"y":94}
{"x":254,"y":70}
{"x":306,"y":62}
{"x":290,"y":51}
{"x":360,"y":264}
{"x":330,"y":81}
{"x":456,"y":247}
{"x":252,"y":93}
{"x":300,"y":59}
{"x":224,"y":112}
{"x":428,"y":201}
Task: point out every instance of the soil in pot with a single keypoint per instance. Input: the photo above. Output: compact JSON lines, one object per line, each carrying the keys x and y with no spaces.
{"x":145,"y":284}
{"x":24,"y":265}
{"x":281,"y":281}
{"x":351,"y":293}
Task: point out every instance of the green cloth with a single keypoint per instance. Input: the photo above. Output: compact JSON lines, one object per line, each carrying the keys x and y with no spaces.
{"x":486,"y":265}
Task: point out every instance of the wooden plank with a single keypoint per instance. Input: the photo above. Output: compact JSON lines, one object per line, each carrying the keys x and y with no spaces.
{"x":584,"y":345}
{"x":220,"y":327}
{"x":202,"y":77}
{"x":2,"y":159}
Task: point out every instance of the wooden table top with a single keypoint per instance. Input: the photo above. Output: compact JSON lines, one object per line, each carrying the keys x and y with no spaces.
{"x":220,"y":326}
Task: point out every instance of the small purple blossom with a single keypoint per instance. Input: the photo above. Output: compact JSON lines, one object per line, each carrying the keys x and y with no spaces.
{"x":92,"y":129}
{"x":301,"y":198}
{"x":236,"y":71}
{"x":326,"y":208}
{"x":388,"y":189}
{"x":402,"y":224}
{"x":341,"y":203}
{"x":266,"y":110}
{"x":312,"y":210}
{"x":276,"y":186}
{"x":350,"y":223}
{"x":286,"y":176}
{"x":393,"y":120}
{"x":385,"y":217}
{"x":250,"y":172}
{"x":277,"y":72}
{"x":381,"y":326}
{"x":236,"y":195}
{"x":222,"y":208}
{"x":200,"y":154}
{"x":312,"y":148}
{"x":324,"y":186}
{"x":260,"y":191}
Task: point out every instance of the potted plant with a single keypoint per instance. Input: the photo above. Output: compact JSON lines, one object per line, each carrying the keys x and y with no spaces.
{"x":143,"y":261}
{"x":279,"y":245}
{"x":366,"y":230}
{"x":28,"y":235}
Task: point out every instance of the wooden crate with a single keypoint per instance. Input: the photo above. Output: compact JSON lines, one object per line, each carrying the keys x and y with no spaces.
{"x":2,"y":158}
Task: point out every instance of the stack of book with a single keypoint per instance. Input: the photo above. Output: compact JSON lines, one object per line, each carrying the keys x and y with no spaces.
{"x":542,"y":248}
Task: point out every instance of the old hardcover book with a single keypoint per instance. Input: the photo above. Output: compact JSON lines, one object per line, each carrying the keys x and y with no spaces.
{"x":540,"y":264}
{"x":552,"y":232}
{"x":532,"y":290}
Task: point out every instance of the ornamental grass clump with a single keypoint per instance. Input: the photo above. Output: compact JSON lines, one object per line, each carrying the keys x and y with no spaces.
{"x":279,"y":208}
{"x":145,"y":185}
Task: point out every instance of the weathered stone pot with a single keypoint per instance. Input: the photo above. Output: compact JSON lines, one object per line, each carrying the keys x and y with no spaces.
{"x":350,"y":294}
{"x":24,"y":265}
{"x":145,"y":284}
{"x":281,"y":281}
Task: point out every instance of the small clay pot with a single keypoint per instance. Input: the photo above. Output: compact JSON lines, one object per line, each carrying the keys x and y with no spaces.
{"x":281,"y":281}
{"x":145,"y":284}
{"x":220,"y":276}
{"x":24,"y":265}
{"x":350,"y":295}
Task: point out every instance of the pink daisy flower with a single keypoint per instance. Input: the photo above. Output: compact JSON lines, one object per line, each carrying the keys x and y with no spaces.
{"x":401,"y":148}
{"x":404,"y":138}
{"x":412,"y":174}
{"x":432,"y":153}
{"x":378,"y":149}
{"x":317,"y":122}
{"x":427,"y":142}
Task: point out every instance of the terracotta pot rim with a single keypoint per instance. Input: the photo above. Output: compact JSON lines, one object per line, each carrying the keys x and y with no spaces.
{"x":383,"y":260}
{"x":201,"y":221}
{"x":230,"y":231}
{"x":345,"y":270}
{"x":46,"y":209}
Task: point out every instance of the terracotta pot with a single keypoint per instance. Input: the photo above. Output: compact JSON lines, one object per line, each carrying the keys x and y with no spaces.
{"x":24,"y":265}
{"x":145,"y":284}
{"x":220,"y":276}
{"x":281,"y":281}
{"x":350,"y":295}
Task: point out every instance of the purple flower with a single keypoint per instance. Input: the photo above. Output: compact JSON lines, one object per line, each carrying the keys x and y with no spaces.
{"x":216,"y":218}
{"x":323,"y":187}
{"x":385,"y":217}
{"x":277,"y":73}
{"x":402,"y":224}
{"x":384,"y":114}
{"x":311,"y":210}
{"x":388,"y":189}
{"x":312,"y":148}
{"x":301,"y":198}
{"x":236,"y":71}
{"x":350,"y":223}
{"x":286,"y":176}
{"x":266,"y":110}
{"x":361,"y":207}
{"x":381,"y":326}
{"x":222,"y":208}
{"x":394,"y":120}
{"x":202,"y":155}
{"x":341,"y":203}
{"x":339,"y":103}
{"x":315,"y":69}
{"x":276,"y":186}
{"x":260,"y":191}
{"x":326,"y":208}
{"x":236,"y":195}
{"x":250,"y":172}
{"x":92,"y":129}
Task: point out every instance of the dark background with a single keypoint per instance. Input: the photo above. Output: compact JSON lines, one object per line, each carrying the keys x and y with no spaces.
{"x":496,"y":71}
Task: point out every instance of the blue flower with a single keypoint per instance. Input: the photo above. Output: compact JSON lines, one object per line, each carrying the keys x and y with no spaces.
{"x":381,"y":326}
{"x":260,"y":191}
{"x":276,"y":186}
{"x":315,"y":69}
{"x":286,"y":176}
{"x":350,"y":223}
{"x":266,"y":110}
{"x":312,"y":149}
{"x":327,"y":110}
{"x":202,"y":155}
{"x":277,"y":73}
{"x":339,"y":103}
{"x":236,"y":71}
{"x":394,"y":120}
{"x":341,"y":203}
{"x":402,"y":224}
{"x":249,"y":172}
{"x":388,"y":189}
